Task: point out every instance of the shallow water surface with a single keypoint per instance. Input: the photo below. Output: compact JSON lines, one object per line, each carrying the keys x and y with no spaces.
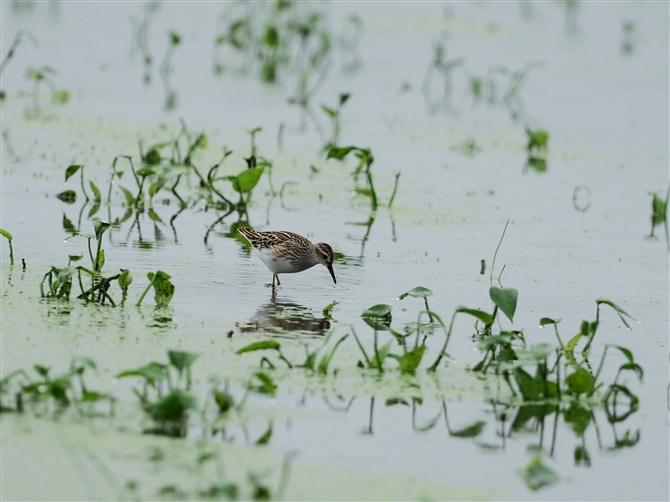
{"x":579,"y":225}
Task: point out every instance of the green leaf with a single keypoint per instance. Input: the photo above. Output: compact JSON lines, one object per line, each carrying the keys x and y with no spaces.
{"x":152,"y":157}
{"x":489,"y":341}
{"x":537,"y":475}
{"x":223,"y":400}
{"x":156,"y":186}
{"x":396,"y":400}
{"x":578,"y":417}
{"x":6,"y":234}
{"x":163,"y":288}
{"x":125,"y":279}
{"x":154,"y":216}
{"x":265,"y":438}
{"x":262,"y":345}
{"x":325,"y":360}
{"x":173,"y":407}
{"x":626,"y":352}
{"x":529,"y":387}
{"x":95,"y":190}
{"x":130,"y":198}
{"x":100,"y":227}
{"x":537,"y":139}
{"x":326,"y":310}
{"x":68,"y":196}
{"x":92,"y":396}
{"x":72,"y":170}
{"x":152,"y":373}
{"x":471,"y":431}
{"x":75,"y":257}
{"x":248,"y":179}
{"x":410,"y":361}
{"x":485,"y":317}
{"x":379,"y":311}
{"x":570,"y":346}
{"x":94,"y":208}
{"x":505,"y":299}
{"x":147,"y":171}
{"x":339,"y":153}
{"x":580,"y":381}
{"x":68,"y":226}
{"x":378,"y":316}
{"x":546,"y":320}
{"x":60,"y":96}
{"x":100,"y":261}
{"x":267,"y":384}
{"x":382,"y":352}
{"x":332,"y":113}
{"x":621,"y":312}
{"x":636,"y":368}
{"x":418,"y":292}
{"x":42,"y":371}
{"x":181,"y":360}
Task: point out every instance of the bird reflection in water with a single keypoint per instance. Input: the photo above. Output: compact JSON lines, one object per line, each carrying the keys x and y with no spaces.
{"x":281,"y":316}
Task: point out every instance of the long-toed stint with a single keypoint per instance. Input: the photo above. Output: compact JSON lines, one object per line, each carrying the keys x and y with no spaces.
{"x":288,"y":253}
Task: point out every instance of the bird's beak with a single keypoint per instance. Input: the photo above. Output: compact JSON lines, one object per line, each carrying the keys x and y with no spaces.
{"x":330,"y":269}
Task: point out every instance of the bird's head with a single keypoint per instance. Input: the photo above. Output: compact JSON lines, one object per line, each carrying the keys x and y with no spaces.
{"x":326,"y":256}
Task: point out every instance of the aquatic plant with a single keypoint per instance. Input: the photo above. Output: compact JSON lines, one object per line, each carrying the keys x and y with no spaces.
{"x":165,"y":398}
{"x":9,"y":238}
{"x":163,"y":288}
{"x":365,"y":159}
{"x":659,"y":214}
{"x":20,"y":34}
{"x":537,"y":149}
{"x":166,"y":70}
{"x":45,"y":74}
{"x":443,"y":67}
{"x":62,"y":391}
{"x":334,"y":116}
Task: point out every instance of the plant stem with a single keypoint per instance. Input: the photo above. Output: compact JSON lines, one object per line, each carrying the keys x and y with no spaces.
{"x":496,"y":253}
{"x":139,"y":302}
{"x":82,"y":183}
{"x":395,"y":189}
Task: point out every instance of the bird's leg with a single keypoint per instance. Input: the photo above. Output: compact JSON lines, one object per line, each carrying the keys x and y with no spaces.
{"x":278,"y":283}
{"x":274,"y":276}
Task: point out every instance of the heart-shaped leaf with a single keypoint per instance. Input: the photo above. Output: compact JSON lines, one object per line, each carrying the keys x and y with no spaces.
{"x":505,"y":299}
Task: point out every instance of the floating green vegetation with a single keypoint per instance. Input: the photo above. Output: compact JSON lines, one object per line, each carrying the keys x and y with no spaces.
{"x":316,"y":361}
{"x":165,"y":398}
{"x":47,"y":394}
{"x":659,"y":214}
{"x":59,"y":279}
{"x":44,"y":74}
{"x":163,"y":288}
{"x":536,"y":148}
{"x":537,"y":475}
{"x":284,"y":37}
{"x":9,"y":238}
{"x":365,"y":160}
